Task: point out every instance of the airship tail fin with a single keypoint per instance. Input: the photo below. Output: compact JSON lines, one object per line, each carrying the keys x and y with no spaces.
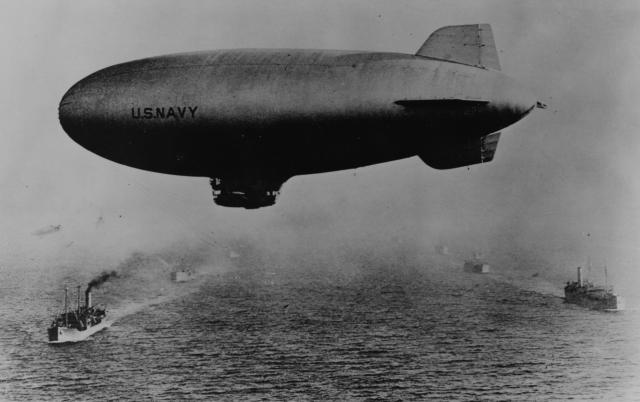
{"x":455,"y":152}
{"x":466,"y":44}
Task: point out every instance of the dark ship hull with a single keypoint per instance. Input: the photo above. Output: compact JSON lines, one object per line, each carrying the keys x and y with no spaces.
{"x":596,"y":299}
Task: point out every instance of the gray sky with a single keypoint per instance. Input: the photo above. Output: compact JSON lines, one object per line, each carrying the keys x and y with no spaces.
{"x":558,"y":174}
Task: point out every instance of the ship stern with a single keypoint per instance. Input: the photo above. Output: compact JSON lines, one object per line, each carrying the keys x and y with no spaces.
{"x":53,"y":333}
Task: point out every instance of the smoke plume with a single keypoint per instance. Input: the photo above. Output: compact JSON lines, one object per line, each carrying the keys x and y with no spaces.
{"x":105,"y":276}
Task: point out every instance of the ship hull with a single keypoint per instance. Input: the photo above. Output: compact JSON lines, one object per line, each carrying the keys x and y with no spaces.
{"x":609,"y":303}
{"x":62,"y":334}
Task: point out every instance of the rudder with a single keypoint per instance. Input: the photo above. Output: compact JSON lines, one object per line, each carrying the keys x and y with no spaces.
{"x":472,"y":45}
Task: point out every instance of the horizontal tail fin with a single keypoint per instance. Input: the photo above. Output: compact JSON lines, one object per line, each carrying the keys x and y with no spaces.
{"x":465,"y":44}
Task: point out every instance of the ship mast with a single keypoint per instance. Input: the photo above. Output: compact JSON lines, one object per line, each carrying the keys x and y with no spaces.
{"x":78,"y":293}
{"x":606,"y":285}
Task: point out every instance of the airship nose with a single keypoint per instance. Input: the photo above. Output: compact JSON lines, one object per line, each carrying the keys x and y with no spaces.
{"x":68,"y":112}
{"x":81,"y":111}
{"x":64,"y":111}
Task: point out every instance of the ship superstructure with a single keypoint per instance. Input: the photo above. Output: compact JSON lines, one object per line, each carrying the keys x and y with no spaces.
{"x":76,"y":325}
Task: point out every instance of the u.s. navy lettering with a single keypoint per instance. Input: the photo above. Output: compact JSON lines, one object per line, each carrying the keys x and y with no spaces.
{"x":170,"y":112}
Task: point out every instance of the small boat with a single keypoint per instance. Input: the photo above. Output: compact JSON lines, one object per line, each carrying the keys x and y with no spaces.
{"x":77,"y":325}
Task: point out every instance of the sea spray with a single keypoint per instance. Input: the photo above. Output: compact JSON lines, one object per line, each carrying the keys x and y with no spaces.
{"x":144,"y":280}
{"x":132,"y":307}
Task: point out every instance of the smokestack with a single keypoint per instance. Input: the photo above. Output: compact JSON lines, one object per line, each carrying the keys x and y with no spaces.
{"x":95,"y":283}
{"x":580,"y":276}
{"x":87,"y":298}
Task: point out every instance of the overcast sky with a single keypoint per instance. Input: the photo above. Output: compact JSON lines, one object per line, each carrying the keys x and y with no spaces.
{"x":564,"y":181}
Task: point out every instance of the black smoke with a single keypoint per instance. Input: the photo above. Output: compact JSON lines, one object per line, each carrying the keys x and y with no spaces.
{"x":102,"y":278}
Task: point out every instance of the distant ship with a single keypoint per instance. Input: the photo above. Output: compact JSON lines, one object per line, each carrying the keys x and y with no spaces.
{"x":182,"y":275}
{"x":476,"y":267}
{"x":442,"y":249}
{"x":73,"y":326}
{"x":586,"y":294}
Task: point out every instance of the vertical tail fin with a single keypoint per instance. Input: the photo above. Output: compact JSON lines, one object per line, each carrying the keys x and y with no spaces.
{"x":466,"y":44}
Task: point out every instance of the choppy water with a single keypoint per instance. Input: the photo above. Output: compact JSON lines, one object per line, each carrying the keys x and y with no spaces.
{"x":389,"y":333}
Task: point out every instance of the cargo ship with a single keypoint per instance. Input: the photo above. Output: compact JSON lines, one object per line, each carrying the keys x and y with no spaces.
{"x":476,"y":267}
{"x":586,"y":294}
{"x":77,"y":325}
{"x":183,"y":275}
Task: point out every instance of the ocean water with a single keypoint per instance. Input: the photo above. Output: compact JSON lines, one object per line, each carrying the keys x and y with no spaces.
{"x":385,"y":332}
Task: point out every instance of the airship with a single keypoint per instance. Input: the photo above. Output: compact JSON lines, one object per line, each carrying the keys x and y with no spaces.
{"x":250,"y":119}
